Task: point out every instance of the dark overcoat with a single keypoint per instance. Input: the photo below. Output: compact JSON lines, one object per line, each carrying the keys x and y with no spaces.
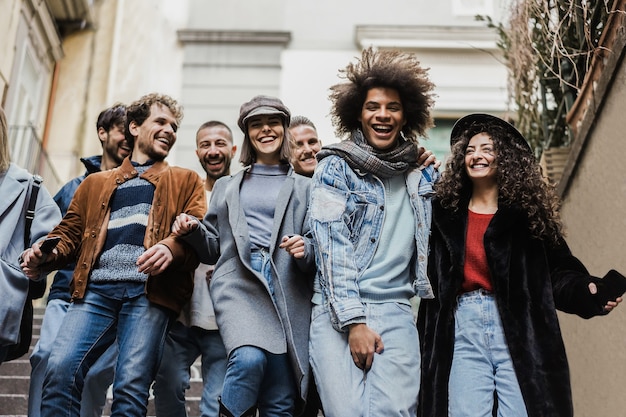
{"x":531,"y":280}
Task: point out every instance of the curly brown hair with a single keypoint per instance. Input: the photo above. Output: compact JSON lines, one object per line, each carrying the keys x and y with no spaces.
{"x":519,"y":176}
{"x":389,"y":69}
{"x":139,"y":110}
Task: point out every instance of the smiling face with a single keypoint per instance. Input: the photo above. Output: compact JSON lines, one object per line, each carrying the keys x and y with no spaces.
{"x":305,"y":145}
{"x":215,"y":150}
{"x":480,"y":159}
{"x":382,"y":117}
{"x":114,"y":146}
{"x":266,"y":134}
{"x":156,"y":136}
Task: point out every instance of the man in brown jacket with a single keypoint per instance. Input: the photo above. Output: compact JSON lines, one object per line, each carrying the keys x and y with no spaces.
{"x":131,"y":276}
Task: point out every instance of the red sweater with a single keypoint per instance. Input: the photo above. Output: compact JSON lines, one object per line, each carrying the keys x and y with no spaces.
{"x":475,"y":270}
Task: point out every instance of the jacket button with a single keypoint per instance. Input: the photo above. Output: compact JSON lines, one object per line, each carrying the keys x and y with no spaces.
{"x":84,"y":265}
{"x":75,"y":293}
{"x":382,"y":208}
{"x":80,"y":282}
{"x":93,"y":234}
{"x":373,"y":240}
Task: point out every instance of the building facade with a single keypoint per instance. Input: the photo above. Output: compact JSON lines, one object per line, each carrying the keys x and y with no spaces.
{"x":63,"y":61}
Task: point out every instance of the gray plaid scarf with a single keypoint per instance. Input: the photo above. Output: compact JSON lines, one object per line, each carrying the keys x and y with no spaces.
{"x":360,"y":155}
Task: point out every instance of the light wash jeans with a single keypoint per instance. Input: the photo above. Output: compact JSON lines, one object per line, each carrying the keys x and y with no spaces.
{"x":98,"y":379}
{"x":89,"y":328}
{"x":390,"y":387}
{"x":482,"y":362}
{"x":183,"y":346}
{"x":254,"y":376}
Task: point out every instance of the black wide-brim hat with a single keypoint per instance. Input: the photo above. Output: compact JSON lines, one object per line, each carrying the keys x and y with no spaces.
{"x":466,"y":122}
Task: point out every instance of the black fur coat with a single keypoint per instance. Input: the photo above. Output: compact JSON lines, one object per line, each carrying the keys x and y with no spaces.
{"x":530,"y":281}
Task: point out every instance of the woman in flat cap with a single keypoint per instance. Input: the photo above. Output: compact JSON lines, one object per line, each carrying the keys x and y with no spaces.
{"x":261,"y":285}
{"x":500,"y":269}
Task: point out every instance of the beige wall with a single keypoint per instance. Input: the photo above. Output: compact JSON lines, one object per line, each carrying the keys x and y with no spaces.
{"x":593,"y":212}
{"x":9,"y":19}
{"x":132,"y":50}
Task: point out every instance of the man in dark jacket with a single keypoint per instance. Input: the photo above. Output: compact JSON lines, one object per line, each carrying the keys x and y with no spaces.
{"x":110,"y":130}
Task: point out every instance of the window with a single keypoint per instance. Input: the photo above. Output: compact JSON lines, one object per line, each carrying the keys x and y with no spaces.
{"x":26,"y":104}
{"x":439,"y":139}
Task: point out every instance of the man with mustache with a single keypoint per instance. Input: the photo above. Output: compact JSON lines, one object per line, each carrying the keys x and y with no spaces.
{"x":132,"y":276}
{"x":195,"y":334}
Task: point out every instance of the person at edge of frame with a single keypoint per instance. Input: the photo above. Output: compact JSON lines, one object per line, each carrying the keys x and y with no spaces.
{"x":195,"y":333}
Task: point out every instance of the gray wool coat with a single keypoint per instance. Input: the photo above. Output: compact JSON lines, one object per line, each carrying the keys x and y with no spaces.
{"x":13,"y":190}
{"x":245,"y":312}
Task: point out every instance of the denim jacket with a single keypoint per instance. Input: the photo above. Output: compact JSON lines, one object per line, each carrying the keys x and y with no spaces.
{"x":347,"y":212}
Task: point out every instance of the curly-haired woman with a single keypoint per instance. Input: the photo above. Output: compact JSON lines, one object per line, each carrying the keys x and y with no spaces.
{"x":370,"y":216}
{"x":500,"y":269}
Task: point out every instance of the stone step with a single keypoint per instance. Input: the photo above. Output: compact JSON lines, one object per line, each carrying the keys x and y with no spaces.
{"x":15,"y":377}
{"x":15,"y":405}
{"x":15,"y":367}
{"x":14,"y":384}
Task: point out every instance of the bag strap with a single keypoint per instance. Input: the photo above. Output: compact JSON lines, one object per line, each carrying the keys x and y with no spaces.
{"x":33,"y":189}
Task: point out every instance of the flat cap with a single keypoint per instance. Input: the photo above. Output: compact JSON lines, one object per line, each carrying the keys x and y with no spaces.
{"x":262,"y":105}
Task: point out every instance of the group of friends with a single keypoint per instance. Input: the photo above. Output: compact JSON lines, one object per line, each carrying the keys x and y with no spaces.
{"x":298,"y":280}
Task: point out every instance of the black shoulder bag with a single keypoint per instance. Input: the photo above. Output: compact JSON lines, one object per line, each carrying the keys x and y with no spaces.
{"x":36,"y":289}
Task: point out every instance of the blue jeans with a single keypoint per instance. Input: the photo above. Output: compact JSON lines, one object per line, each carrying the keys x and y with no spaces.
{"x":89,"y":328}
{"x":183,"y":346}
{"x":256,"y":377}
{"x":98,"y":379}
{"x":390,"y":387}
{"x":482,"y":362}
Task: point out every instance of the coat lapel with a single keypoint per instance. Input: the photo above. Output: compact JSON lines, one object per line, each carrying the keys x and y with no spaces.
{"x":452,"y":227}
{"x":498,"y":246}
